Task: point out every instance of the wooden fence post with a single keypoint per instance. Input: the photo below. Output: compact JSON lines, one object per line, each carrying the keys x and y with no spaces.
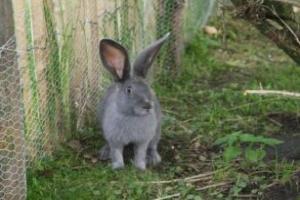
{"x":6,"y":21}
{"x":40,"y":46}
{"x":93,"y":62}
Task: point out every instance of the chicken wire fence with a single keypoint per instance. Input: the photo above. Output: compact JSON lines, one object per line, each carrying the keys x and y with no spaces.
{"x":12,"y":144}
{"x":51,"y":76}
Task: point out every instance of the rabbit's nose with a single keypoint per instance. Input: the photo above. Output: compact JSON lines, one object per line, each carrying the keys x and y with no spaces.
{"x":147,"y":105}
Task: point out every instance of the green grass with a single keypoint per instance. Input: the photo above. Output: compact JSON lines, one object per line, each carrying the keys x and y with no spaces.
{"x":204,"y":103}
{"x":72,"y":178}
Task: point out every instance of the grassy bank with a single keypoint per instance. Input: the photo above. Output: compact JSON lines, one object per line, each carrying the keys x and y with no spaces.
{"x":205,"y":103}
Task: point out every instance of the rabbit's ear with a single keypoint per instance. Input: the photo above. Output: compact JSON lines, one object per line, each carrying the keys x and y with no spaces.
{"x":115,"y":59}
{"x":147,"y":56}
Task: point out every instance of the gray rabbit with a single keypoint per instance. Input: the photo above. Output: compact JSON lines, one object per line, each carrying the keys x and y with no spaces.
{"x":129,"y":112}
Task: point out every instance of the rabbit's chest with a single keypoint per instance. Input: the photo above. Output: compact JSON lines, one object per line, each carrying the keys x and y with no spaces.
{"x":129,"y":129}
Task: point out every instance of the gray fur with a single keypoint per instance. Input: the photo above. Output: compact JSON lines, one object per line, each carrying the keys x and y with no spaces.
{"x":130,"y":112}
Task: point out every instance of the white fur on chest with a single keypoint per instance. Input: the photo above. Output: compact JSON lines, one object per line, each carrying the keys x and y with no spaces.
{"x":124,"y":129}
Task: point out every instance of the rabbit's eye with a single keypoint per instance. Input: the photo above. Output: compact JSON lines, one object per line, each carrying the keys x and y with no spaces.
{"x":129,"y":90}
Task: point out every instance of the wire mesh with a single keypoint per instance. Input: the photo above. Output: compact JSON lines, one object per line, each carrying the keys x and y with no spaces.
{"x":12,"y":144}
{"x":56,"y":46}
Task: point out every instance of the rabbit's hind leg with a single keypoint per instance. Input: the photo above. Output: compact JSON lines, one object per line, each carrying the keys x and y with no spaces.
{"x":104,"y":153}
{"x":153,"y":157}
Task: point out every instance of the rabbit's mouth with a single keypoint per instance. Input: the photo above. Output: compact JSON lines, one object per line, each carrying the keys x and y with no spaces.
{"x":147,"y":106}
{"x":144,"y":110}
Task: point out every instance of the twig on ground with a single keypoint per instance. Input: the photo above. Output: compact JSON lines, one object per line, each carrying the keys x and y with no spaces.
{"x":188,"y":179}
{"x":272,"y":92}
{"x":187,"y":130}
{"x":168,"y":197}
{"x":199,"y":179}
{"x":200,"y":175}
{"x":195,"y":139}
{"x":272,"y":184}
{"x":275,"y":122}
{"x":214,"y":186}
{"x":248,"y":196}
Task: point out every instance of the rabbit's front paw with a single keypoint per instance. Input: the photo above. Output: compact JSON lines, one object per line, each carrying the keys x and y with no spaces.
{"x":104,"y":153}
{"x":117,"y":165}
{"x":141,"y":165}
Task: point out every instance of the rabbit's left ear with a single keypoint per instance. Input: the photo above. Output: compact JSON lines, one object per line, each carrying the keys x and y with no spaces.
{"x":147,"y":56}
{"x":115,"y":59}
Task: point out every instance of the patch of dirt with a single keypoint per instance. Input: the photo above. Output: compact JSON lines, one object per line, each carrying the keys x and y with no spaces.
{"x":289,"y":191}
{"x":187,"y":154}
{"x":289,"y":133}
{"x":289,"y":122}
{"x":87,"y":148}
{"x":75,"y":145}
{"x":47,"y":173}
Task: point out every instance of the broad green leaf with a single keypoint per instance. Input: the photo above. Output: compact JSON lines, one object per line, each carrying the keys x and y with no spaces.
{"x":231,"y":153}
{"x":254,"y":155}
{"x":228,"y":140}
{"x":271,"y":141}
{"x":249,"y":138}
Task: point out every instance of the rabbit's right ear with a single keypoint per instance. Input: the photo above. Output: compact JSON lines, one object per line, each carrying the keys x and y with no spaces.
{"x":115,"y":59}
{"x":147,"y":56}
